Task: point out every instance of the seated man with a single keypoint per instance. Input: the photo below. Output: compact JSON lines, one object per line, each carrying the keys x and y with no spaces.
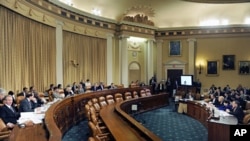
{"x":112,"y":86}
{"x":57,"y":94}
{"x":28,"y":104}
{"x":8,"y":113}
{"x":236,"y":111}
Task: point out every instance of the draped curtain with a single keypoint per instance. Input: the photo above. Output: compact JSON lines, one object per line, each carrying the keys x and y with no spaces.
{"x":89,"y":53}
{"x":27,"y":52}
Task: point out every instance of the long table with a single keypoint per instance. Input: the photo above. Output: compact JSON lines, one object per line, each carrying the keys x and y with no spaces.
{"x":218,"y":128}
{"x":119,"y":121}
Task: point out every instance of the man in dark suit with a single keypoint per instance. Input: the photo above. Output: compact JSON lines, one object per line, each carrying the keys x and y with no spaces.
{"x":8,"y":113}
{"x":236,"y":111}
{"x":24,"y":92}
{"x":101,"y":86}
{"x":95,"y":87}
{"x":28,"y":104}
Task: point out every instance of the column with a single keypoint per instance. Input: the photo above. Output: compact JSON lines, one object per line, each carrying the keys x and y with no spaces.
{"x":109,"y":58}
{"x":150,"y":60}
{"x":159,"y":60}
{"x":191,"y":58}
{"x":124,"y":61}
{"x":59,"y":52}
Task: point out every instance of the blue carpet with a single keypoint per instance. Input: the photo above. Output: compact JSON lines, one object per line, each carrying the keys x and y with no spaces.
{"x":164,"y":122}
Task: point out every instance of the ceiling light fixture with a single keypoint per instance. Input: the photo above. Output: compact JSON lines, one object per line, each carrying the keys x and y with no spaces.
{"x":96,"y":12}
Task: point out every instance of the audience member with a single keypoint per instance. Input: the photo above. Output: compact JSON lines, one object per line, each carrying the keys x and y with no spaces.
{"x":24,"y":92}
{"x":2,"y":95}
{"x":56,"y":93}
{"x":68,"y":91}
{"x":112,"y":86}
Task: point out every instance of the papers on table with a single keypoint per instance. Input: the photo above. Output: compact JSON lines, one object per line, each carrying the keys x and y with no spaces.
{"x":31,"y":116}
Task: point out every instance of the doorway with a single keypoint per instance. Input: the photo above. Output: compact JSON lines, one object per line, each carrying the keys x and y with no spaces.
{"x":174,"y":74}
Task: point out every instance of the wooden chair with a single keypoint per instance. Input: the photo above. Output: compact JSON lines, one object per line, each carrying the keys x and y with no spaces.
{"x":96,"y":104}
{"x":102,"y":101}
{"x":135,"y":94}
{"x":143,"y":93}
{"x":110,"y":99}
{"x":118,"y":97}
{"x":97,"y":132}
{"x":18,"y":100}
{"x":128,"y":95}
{"x":246,"y":119}
{"x":4,"y":131}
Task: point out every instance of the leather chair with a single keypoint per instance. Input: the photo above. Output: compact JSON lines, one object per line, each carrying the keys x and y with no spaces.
{"x":97,"y":132}
{"x":143,"y":93}
{"x":246,"y":119}
{"x":102,"y":101}
{"x":128,"y":95}
{"x":96,"y":104}
{"x":135,"y":94}
{"x":118,"y":97}
{"x":110,"y":99}
{"x":4,"y":131}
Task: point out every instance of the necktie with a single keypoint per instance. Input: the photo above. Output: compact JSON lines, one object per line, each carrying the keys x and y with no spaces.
{"x":12,"y":109}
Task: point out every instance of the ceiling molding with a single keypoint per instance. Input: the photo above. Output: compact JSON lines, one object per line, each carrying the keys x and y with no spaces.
{"x":218,"y":1}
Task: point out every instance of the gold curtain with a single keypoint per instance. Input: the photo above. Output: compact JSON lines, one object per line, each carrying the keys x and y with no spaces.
{"x":27,"y":52}
{"x":89,"y":53}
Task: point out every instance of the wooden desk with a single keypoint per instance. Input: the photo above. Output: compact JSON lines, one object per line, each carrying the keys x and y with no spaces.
{"x":218,"y":130}
{"x":119,"y":128}
{"x":32,"y":133}
{"x":64,"y":114}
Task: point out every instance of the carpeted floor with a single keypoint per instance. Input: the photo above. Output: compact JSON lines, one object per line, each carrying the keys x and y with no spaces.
{"x":164,"y":122}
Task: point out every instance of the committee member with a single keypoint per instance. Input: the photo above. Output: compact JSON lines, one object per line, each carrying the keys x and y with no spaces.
{"x":8,"y":113}
{"x":28,"y":104}
{"x":236,"y":111}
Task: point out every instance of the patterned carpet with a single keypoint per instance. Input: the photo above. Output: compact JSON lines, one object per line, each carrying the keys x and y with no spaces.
{"x":164,"y":122}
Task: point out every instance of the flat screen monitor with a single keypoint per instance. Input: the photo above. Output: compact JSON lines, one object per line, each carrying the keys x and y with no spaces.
{"x":186,"y":80}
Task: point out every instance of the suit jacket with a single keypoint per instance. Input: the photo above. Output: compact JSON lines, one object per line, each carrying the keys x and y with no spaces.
{"x":22,"y":94}
{"x":238,"y":113}
{"x":8,"y":115}
{"x":27,"y":106}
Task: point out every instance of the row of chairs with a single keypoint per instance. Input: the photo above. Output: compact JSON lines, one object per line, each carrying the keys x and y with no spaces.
{"x":99,"y":131}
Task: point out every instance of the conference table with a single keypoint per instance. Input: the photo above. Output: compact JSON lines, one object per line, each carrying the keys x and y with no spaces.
{"x":64,"y":114}
{"x":218,"y":125}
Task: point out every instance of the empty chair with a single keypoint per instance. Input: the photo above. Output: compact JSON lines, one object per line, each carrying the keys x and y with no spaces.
{"x":87,"y":111}
{"x":128,"y":95}
{"x":110,"y":99}
{"x":96,"y":104}
{"x":246,"y":119}
{"x":96,"y":131}
{"x":4,"y":131}
{"x":143,"y":93}
{"x":148,"y":92}
{"x":102,"y":101}
{"x":135,"y":94}
{"x":118,"y":97}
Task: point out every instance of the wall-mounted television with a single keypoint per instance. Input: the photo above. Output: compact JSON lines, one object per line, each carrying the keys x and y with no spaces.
{"x":187,"y":80}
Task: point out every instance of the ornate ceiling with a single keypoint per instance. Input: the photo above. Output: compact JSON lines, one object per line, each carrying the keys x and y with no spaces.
{"x":172,"y":13}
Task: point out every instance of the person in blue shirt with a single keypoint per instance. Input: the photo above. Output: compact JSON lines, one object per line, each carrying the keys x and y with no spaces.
{"x":226,"y":105}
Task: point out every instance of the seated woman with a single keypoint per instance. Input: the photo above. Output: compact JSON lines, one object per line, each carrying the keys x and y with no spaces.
{"x":220,"y":102}
{"x":226,"y":105}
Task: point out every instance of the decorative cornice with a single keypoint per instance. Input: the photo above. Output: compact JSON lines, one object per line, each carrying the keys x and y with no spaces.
{"x":218,"y":1}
